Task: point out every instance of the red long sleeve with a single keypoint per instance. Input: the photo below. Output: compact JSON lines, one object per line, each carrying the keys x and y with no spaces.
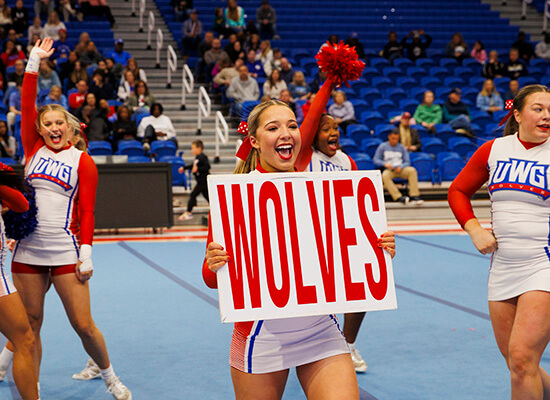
{"x":353,"y":165}
{"x":87,"y":178}
{"x":209,"y":276}
{"x":13,"y":199}
{"x":470,"y":179}
{"x":309,"y":126}
{"x":32,"y":141}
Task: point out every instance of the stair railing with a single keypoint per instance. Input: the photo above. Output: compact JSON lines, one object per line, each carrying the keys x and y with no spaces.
{"x":150,"y":29}
{"x":187,"y":84}
{"x":205,"y":105}
{"x":221,"y":135}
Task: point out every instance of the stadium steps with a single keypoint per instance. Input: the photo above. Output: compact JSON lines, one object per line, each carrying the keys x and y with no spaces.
{"x":532,"y":24}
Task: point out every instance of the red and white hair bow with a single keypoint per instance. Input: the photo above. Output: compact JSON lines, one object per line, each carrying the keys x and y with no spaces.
{"x":509,"y":105}
{"x":246,"y":146}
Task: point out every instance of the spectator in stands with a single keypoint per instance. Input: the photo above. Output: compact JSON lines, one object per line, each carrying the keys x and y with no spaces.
{"x":515,"y":67}
{"x":218,"y":25}
{"x":427,"y":113}
{"x":204,"y":46}
{"x":253,"y":43}
{"x":11,"y":54}
{"x":32,"y":42}
{"x":97,"y":7}
{"x":250,"y":30}
{"x":126,"y":87}
{"x":56,"y":96}
{"x":417,"y":48}
{"x":156,"y":126}
{"x":20,"y":17}
{"x":234,"y":17}
{"x":489,"y":99}
{"x":236,"y":51}
{"x":83,"y":42}
{"x":141,"y":100}
{"x":97,"y":128}
{"x":91,"y":101}
{"x":318,"y":80}
{"x":353,"y":41}
{"x":223,"y":78}
{"x":266,"y":57}
{"x":274,"y":85}
{"x":7,"y":142}
{"x":513,"y":89}
{"x":76,"y":99}
{"x":5,"y":16}
{"x":66,"y":7}
{"x":287,"y":73}
{"x":14,"y":107}
{"x":43,"y":7}
{"x":212,"y":56}
{"x":101,"y":89}
{"x":63,"y":46}
{"x":200,"y":169}
{"x":478,"y":52}
{"x":124,"y":128}
{"x":243,"y":88}
{"x":17,"y":76}
{"x":285,"y":97}
{"x":266,"y":20}
{"x":180,"y":9}
{"x":342,"y":110}
{"x":91,"y":56}
{"x":118,"y":54}
{"x":52,"y":27}
{"x":457,"y":114}
{"x":299,"y":89}
{"x":36,"y":29}
{"x":47,"y":77}
{"x":457,"y":48}
{"x":542,"y":49}
{"x":392,"y":48}
{"x":139,"y":73}
{"x":116,"y":69}
{"x":393,"y":158}
{"x":493,"y":68}
{"x":277,"y":57}
{"x":525,"y":49}
{"x":67,"y":67}
{"x":408,"y":136}
{"x":108,"y":76}
{"x":79,"y":74}
{"x":12,"y":35}
{"x":255,"y":67}
{"x":191,"y":33}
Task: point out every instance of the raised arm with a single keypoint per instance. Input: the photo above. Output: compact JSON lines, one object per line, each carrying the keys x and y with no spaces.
{"x":29,"y":135}
{"x":13,"y":199}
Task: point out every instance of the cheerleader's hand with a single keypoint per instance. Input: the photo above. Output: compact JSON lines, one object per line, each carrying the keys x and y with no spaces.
{"x":387,"y":242}
{"x":84,"y":266}
{"x":216,"y":256}
{"x":42,"y":49}
{"x":11,"y":244}
{"x":484,"y":241}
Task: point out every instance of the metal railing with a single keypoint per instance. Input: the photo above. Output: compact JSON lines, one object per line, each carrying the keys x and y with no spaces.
{"x":204,"y":109}
{"x":141,"y":12}
{"x":150,"y":29}
{"x":133,"y":8}
{"x":187,"y":84}
{"x":171,"y":65}
{"x":221,"y":135}
{"x":160,"y":42}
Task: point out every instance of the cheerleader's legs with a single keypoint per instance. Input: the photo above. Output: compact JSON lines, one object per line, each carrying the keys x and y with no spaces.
{"x":522,"y":331}
{"x":14,"y":324}
{"x":331,"y":378}
{"x":268,"y":386}
{"x":75,"y":296}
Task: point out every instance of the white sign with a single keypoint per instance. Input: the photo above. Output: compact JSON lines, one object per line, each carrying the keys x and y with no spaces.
{"x":300,"y":244}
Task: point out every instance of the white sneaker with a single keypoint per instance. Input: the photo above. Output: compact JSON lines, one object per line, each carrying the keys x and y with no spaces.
{"x":90,"y":372}
{"x":186,"y":216}
{"x":118,"y":390}
{"x":358,"y":363}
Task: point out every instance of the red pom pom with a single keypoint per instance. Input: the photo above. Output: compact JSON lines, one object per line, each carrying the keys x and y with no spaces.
{"x":340,"y":63}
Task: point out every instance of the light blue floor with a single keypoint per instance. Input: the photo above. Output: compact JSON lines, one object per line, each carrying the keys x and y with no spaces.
{"x":166,"y":342}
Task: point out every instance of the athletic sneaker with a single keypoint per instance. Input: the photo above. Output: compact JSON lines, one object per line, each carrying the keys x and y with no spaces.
{"x":416,"y":200}
{"x":118,"y":390}
{"x":358,"y":363}
{"x":90,"y":372}
{"x":403,"y":200}
{"x":186,"y":216}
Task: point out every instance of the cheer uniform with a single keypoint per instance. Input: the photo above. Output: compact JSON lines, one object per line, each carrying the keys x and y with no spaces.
{"x":518,"y":175}
{"x":65,"y":182}
{"x":320,"y":162}
{"x":264,"y":346}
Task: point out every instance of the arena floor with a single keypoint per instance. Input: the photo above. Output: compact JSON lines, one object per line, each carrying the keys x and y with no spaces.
{"x":166,"y":341}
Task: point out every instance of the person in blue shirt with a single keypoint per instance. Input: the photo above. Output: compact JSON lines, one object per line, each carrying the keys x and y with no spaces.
{"x":489,"y":99}
{"x":63,"y":46}
{"x":254,"y":66}
{"x":394,"y":159}
{"x":118,"y":54}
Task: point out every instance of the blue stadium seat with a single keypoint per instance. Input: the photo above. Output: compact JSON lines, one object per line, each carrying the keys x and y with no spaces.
{"x":418,"y":93}
{"x":100,"y":148}
{"x":471,"y":63}
{"x":246,"y":108}
{"x":422,"y":132}
{"x":370,"y":94}
{"x":382,"y":83}
{"x":526,"y":80}
{"x":433,"y":145}
{"x":179,"y":177}
{"x":425,"y":63}
{"x":138,"y":159}
{"x":470,"y":94}
{"x":477,"y":81}
{"x":454,"y":81}
{"x":442,"y":92}
{"x":536,"y":73}
{"x":406,"y":82}
{"x":130,"y":148}
{"x":359,"y":106}
{"x":443,"y":154}
{"x":450,"y":167}
{"x":403,"y":63}
{"x":431,"y":82}
{"x":462,"y":146}
{"x":358,"y":85}
{"x":464,"y":72}
{"x":358,"y":132}
{"x":502,"y":84}
{"x":162,"y":148}
{"x":363,"y":161}
{"x":424,"y":165}
{"x":383,"y":106}
{"x":349,"y":146}
{"x":444,"y":132}
{"x":369,"y":145}
{"x":7,"y":161}
{"x":382,"y":130}
{"x":396,"y":94}
{"x":416,"y":72}
{"x":539,"y":63}
{"x":392,"y":72}
{"x":449,"y":63}
{"x":408,"y":105}
{"x":439,"y":72}
{"x":379,"y":63}
{"x":498,"y":115}
{"x":369,"y":73}
{"x":481,"y":118}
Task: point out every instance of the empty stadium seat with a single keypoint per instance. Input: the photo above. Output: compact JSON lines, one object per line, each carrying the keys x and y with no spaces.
{"x":363,"y":161}
{"x":424,"y":165}
{"x":369,"y":145}
{"x":408,"y":105}
{"x":462,"y":146}
{"x":382,"y":82}
{"x":359,"y":106}
{"x":358,"y":132}
{"x":372,"y":118}
{"x":349,"y":146}
{"x":179,"y":177}
{"x":454,"y":81}
{"x":100,"y":148}
{"x":418,"y":93}
{"x":370,"y":94}
{"x":406,"y":82}
{"x":162,"y":148}
{"x":433,"y":145}
{"x":439,"y":72}
{"x":383,"y":106}
{"x":450,"y":167}
{"x":138,"y":159}
{"x":417,"y":72}
{"x":392,"y":72}
{"x":403,"y":63}
{"x":426,"y":63}
{"x":382,"y":130}
{"x":464,"y":72}
{"x":396,"y":94}
{"x":481,"y":118}
{"x":130,"y":148}
{"x":379,"y":63}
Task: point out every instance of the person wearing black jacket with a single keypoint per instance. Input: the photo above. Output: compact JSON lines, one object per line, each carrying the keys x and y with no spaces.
{"x":417,"y":48}
{"x":393,"y":48}
{"x":123,"y":128}
{"x":200,"y":169}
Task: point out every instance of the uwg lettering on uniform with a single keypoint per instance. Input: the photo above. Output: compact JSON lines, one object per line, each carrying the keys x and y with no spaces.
{"x":54,"y":171}
{"x":523,"y":175}
{"x":300,"y":244}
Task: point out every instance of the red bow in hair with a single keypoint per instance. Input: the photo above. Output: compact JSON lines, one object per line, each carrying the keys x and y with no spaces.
{"x":82,"y":127}
{"x":246,"y":146}
{"x":509,"y":105}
